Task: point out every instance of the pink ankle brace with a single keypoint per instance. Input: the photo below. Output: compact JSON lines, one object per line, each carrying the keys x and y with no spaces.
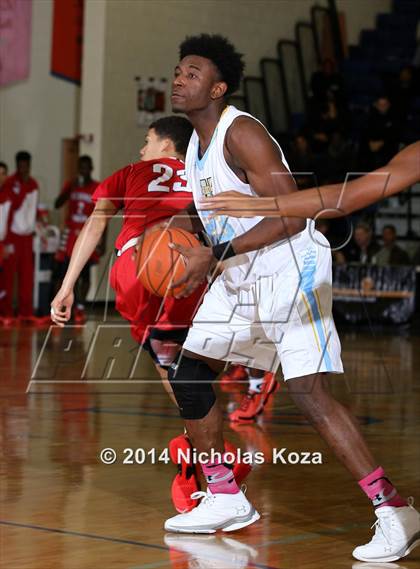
{"x":379,"y":489}
{"x":220,"y":478}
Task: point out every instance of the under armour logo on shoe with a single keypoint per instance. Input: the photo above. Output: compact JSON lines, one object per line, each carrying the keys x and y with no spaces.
{"x":241,"y":510}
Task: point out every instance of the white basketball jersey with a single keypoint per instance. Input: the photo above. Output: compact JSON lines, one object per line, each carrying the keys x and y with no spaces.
{"x":210,"y":176}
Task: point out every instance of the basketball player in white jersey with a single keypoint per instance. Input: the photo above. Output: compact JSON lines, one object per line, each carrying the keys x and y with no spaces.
{"x":270,"y":306}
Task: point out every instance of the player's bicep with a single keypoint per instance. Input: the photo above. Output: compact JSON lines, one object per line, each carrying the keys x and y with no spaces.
{"x":253,"y":150}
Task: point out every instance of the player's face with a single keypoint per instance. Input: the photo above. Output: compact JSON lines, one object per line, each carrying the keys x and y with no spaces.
{"x":195,"y":85}
{"x":85,"y":169}
{"x":23,"y":168}
{"x":154,"y":147}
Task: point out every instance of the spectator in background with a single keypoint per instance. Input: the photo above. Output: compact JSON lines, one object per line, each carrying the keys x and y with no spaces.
{"x":339,"y":158}
{"x":380,"y":140}
{"x":23,"y":191}
{"x":324,"y":227}
{"x":416,"y":258}
{"x":302,"y":162}
{"x":363,"y":248}
{"x":402,"y":93}
{"x":77,"y":194}
{"x":324,"y":119}
{"x":5,"y":203}
{"x":390,"y":253}
{"x":327,"y":80}
{"x":3,"y":173}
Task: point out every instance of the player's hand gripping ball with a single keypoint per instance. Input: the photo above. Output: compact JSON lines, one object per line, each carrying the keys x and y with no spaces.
{"x":158,"y":266}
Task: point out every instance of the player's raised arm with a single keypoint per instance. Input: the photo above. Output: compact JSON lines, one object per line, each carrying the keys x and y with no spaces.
{"x":85,"y":245}
{"x":251,"y":150}
{"x":335,"y":200}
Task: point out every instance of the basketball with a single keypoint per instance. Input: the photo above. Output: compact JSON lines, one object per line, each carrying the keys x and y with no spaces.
{"x":158,"y":266}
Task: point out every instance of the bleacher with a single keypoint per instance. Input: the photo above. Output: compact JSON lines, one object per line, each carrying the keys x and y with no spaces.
{"x":279,"y":97}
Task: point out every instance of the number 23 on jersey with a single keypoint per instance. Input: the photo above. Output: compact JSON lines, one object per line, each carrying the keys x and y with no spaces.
{"x":164,"y":182}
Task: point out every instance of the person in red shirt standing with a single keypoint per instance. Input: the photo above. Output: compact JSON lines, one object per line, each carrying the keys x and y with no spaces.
{"x":23,"y":192}
{"x":5,"y":204}
{"x":4,"y":216}
{"x":77,"y":195}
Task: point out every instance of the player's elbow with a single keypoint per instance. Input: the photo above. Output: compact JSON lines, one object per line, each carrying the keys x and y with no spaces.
{"x":295,"y":225}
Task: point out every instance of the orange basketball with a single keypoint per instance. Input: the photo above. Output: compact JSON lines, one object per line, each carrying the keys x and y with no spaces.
{"x":158,"y":266}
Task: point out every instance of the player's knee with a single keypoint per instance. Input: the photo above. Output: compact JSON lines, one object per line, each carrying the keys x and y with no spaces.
{"x":311,"y":397}
{"x":191,"y":381}
{"x":165,"y":351}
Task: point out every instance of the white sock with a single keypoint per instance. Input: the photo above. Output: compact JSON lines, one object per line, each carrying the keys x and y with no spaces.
{"x":256,"y":384}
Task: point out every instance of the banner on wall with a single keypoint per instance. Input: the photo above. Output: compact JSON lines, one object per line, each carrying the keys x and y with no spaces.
{"x":67,"y":37}
{"x":365,"y":293}
{"x":15,"y":40}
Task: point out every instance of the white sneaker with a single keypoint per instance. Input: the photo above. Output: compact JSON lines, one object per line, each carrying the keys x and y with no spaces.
{"x":397,"y":533}
{"x":365,"y":565}
{"x":227,"y":512}
{"x":211,"y":552}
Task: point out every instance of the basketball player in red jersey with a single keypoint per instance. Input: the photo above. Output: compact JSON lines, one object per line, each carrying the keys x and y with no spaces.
{"x":77,"y":196}
{"x":331,"y":201}
{"x":149,"y":191}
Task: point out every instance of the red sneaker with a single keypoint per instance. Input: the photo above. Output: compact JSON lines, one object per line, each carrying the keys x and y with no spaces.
{"x":186,"y":480}
{"x":8,"y":321}
{"x":79,"y":316}
{"x":240,"y":469}
{"x":27,"y":319}
{"x":253,"y":402}
{"x":44,"y":320}
{"x":235,"y":374}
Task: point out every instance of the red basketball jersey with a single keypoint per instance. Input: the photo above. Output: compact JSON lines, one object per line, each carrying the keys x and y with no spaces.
{"x":80,"y":204}
{"x":147,"y":192}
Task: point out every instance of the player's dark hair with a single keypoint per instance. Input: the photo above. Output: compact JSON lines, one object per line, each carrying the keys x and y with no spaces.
{"x":177,"y":129}
{"x":4,"y":165}
{"x":221,"y":53}
{"x":86,"y":158}
{"x":23,"y":156}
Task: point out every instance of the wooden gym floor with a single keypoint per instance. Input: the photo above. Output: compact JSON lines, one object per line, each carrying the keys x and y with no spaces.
{"x":62,"y":508}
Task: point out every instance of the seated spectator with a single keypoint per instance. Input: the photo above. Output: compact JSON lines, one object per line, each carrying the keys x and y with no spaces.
{"x":339,"y":158}
{"x":324,"y":118}
{"x":327,"y":80}
{"x":380,"y":140}
{"x":402,"y":93}
{"x":390,"y":253}
{"x":302,"y":162}
{"x":363,"y":247}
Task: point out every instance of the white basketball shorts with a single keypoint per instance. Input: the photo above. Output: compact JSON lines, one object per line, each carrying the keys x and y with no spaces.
{"x":284,"y":318}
